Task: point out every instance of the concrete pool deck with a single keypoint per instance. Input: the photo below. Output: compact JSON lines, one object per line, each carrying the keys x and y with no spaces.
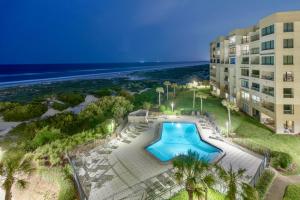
{"x":128,"y":170}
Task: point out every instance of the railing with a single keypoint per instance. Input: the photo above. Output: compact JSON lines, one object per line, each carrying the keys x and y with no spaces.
{"x":255,"y":88}
{"x":255,"y":75}
{"x":266,"y":77}
{"x":82,"y":195}
{"x":254,"y":38}
{"x":261,"y":168}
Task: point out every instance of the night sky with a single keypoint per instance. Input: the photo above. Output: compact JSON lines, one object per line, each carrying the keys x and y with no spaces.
{"x":72,"y":31}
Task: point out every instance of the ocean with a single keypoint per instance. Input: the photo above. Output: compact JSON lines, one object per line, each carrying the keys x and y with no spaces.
{"x":14,"y":75}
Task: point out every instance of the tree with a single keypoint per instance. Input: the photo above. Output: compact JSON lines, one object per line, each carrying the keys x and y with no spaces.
{"x":147,"y":105}
{"x":13,"y":167}
{"x":174,"y":86}
{"x":167,"y":84}
{"x":159,"y":90}
{"x":230,"y":106}
{"x":196,"y":174}
{"x":249,"y":193}
{"x":193,"y":87}
{"x":233,"y":181}
{"x":201,"y":96}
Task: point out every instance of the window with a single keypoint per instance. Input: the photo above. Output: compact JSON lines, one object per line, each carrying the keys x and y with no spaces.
{"x":255,"y":86}
{"x":288,"y":109}
{"x":245,"y":95}
{"x":267,"y":60}
{"x":267,"y":45}
{"x":254,"y":50}
{"x":218,"y":60}
{"x":245,"y":60}
{"x":245,"y":83}
{"x":268,"y":90}
{"x":245,"y":72}
{"x":255,"y":99}
{"x":288,"y":77}
{"x":232,"y":60}
{"x":288,"y":27}
{"x":255,"y":73}
{"x":288,"y":60}
{"x":232,"y":50}
{"x":267,"y":30}
{"x":288,"y":126}
{"x":218,"y":44}
{"x":288,"y":93}
{"x":288,"y":43}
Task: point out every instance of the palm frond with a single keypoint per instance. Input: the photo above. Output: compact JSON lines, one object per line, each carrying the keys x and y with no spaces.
{"x":21,"y":183}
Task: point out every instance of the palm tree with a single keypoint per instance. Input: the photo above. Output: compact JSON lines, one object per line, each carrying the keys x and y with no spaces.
{"x":201,"y":96}
{"x":230,"y":106}
{"x":174,"y":86}
{"x":233,"y":180}
{"x":159,"y":90}
{"x":167,"y":84}
{"x":249,"y":193}
{"x":12,"y":168}
{"x":195,"y":174}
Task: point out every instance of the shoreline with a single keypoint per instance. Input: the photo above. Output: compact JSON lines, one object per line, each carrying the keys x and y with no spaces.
{"x":108,"y":75}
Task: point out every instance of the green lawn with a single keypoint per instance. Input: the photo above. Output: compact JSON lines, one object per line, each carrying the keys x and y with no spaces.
{"x":212,"y":195}
{"x":292,"y":192}
{"x":247,"y":129}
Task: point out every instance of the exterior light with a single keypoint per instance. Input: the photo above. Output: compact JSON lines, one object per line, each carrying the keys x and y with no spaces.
{"x":172,"y":105}
{"x":227,"y":127}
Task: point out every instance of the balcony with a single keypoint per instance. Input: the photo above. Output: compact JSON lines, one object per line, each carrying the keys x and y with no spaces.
{"x":245,"y":52}
{"x":254,"y":38}
{"x":255,"y":75}
{"x":255,"y":88}
{"x":288,"y":78}
{"x":245,"y":40}
{"x":288,"y":95}
{"x":226,"y":69}
{"x":255,"y":62}
{"x":268,"y":91}
{"x":269,"y":77}
{"x":268,"y":105}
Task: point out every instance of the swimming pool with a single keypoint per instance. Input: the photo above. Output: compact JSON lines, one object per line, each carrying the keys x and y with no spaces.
{"x":177,"y":138}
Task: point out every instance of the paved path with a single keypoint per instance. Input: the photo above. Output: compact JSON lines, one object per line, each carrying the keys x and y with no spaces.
{"x":277,"y":189}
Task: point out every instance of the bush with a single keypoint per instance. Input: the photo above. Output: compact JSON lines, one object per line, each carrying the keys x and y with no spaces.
{"x":7,"y":105}
{"x":281,"y":159}
{"x":292,"y":192}
{"x":72,"y":98}
{"x":162,"y":108}
{"x":103,"y":92}
{"x":24,"y":112}
{"x":45,"y":135}
{"x":59,"y":106}
{"x":147,"y":105}
{"x":264,"y":183}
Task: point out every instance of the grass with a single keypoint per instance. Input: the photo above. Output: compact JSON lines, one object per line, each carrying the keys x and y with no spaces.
{"x":292,"y":192}
{"x":212,"y":195}
{"x":247,"y":129}
{"x":264,"y":183}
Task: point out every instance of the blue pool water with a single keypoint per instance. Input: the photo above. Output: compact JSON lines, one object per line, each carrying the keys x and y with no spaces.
{"x":178,"y":138}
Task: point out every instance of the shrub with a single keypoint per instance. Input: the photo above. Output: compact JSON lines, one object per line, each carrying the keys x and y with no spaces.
{"x":103,"y":92}
{"x":7,"y":105}
{"x":281,"y":159}
{"x":24,"y":112}
{"x":264,"y":183}
{"x":292,"y":192}
{"x":71,"y":98}
{"x":147,"y":105}
{"x":59,"y":106}
{"x":162,"y":108}
{"x":45,"y":135}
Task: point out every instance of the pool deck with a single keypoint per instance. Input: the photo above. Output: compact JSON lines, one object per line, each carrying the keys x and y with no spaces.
{"x":129,"y":168}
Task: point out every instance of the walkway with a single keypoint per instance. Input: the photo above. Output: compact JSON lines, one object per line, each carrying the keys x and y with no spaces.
{"x":126,"y":168}
{"x":278,"y":186}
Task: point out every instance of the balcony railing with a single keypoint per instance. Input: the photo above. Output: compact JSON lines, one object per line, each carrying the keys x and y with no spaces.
{"x":267,"y":77}
{"x":245,"y":52}
{"x":289,"y":95}
{"x":288,"y":78}
{"x":254,"y":62}
{"x":255,"y":88}
{"x":254,"y":38}
{"x":268,"y":92}
{"x":255,"y":75}
{"x":269,"y":106}
{"x":245,"y":40}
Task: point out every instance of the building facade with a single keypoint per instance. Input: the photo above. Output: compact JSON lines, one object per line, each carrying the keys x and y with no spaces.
{"x":259,"y":69}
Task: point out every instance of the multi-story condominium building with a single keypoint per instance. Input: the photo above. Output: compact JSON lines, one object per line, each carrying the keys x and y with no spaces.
{"x":259,"y":69}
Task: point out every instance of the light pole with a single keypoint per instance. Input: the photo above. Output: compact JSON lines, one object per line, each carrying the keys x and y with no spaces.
{"x":172,"y":105}
{"x":227,"y":127}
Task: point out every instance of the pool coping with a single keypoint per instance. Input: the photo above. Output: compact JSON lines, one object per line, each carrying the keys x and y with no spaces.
{"x":157,"y":137}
